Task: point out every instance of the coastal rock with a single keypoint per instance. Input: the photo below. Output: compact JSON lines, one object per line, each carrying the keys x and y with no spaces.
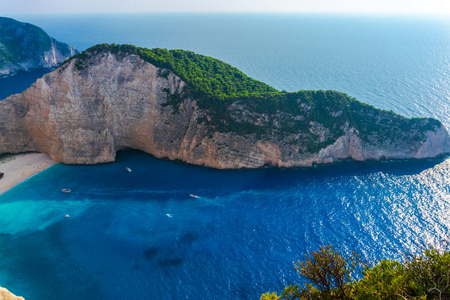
{"x":86,"y":110}
{"x":7,"y":295}
{"x":24,"y":46}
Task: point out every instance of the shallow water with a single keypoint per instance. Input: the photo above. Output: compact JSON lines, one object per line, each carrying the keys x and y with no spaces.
{"x":139,"y":233}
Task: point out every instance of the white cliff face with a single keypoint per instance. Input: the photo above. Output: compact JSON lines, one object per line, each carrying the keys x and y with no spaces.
{"x":24,"y":46}
{"x":434,"y":143}
{"x":45,"y":60}
{"x":83,"y":116}
{"x":57,"y":54}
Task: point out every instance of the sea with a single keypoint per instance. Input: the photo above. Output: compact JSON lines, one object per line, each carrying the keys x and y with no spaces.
{"x":140,"y":235}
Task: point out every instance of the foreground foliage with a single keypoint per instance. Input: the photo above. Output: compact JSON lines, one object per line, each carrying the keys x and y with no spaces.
{"x":424,"y":275}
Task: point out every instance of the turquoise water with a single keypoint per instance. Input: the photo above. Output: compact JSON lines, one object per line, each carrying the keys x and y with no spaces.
{"x":140,"y":235}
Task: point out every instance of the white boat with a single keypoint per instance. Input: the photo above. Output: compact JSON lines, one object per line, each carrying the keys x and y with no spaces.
{"x":128,"y":169}
{"x":193,"y":196}
{"x":66,"y":190}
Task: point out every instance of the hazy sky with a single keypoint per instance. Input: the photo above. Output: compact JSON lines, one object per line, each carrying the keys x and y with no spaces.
{"x":337,"y":6}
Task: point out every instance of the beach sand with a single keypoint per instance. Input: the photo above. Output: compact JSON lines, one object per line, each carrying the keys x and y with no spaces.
{"x":19,"y":167}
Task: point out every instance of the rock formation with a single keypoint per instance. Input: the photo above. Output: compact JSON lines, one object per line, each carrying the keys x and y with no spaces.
{"x":7,"y":295}
{"x":97,"y":104}
{"x":24,"y":46}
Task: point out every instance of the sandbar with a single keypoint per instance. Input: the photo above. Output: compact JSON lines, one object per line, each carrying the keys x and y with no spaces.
{"x":18,"y":167}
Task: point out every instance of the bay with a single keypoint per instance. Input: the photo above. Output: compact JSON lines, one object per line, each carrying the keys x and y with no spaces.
{"x":140,"y":235}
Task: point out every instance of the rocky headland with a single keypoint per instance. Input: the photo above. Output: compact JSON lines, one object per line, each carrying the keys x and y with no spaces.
{"x":24,"y":46}
{"x":7,"y":295}
{"x":183,"y":106}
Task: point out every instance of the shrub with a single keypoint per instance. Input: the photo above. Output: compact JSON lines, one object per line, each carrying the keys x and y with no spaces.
{"x":424,"y":275}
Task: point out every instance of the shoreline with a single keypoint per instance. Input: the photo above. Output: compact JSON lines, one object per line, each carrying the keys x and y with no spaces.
{"x":20,"y":167}
{"x":7,"y":295}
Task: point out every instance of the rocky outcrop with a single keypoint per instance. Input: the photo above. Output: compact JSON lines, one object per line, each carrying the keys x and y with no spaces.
{"x":7,"y":295}
{"x":83,"y":115}
{"x":24,"y":46}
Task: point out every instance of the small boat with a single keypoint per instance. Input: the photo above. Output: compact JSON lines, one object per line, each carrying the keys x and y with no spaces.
{"x":67,"y":216}
{"x":193,"y":196}
{"x":169,"y":215}
{"x":1,"y":175}
{"x":128,"y":169}
{"x":66,"y":190}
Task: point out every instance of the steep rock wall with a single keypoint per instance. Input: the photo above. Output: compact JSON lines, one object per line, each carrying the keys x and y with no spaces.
{"x":84,"y":115}
{"x":24,"y":46}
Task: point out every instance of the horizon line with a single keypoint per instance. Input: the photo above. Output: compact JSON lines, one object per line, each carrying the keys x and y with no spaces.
{"x":353,"y":13}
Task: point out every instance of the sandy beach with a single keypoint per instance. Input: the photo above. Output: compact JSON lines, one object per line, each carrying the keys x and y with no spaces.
{"x":19,"y":167}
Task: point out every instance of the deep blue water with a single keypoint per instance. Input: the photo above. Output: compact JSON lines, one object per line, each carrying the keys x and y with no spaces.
{"x":140,"y":235}
{"x":19,"y":82}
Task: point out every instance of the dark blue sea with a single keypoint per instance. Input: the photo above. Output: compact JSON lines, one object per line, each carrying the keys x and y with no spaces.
{"x":139,"y":235}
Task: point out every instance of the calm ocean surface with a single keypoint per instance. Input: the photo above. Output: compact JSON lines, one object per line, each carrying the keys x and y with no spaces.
{"x":139,"y":235}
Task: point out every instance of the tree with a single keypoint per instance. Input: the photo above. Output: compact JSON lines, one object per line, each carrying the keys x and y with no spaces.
{"x":422,"y":275}
{"x":329,"y":271}
{"x":388,"y":279}
{"x":429,"y":269}
{"x":270,"y":296}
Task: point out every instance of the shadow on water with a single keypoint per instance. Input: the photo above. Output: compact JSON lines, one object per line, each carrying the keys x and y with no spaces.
{"x":168,"y":256}
{"x":198,"y":176}
{"x":164,"y":257}
{"x":170,"y":262}
{"x":396,"y":167}
{"x":40,"y":257}
{"x":187,"y":238}
{"x":155,"y":179}
{"x":150,"y":252}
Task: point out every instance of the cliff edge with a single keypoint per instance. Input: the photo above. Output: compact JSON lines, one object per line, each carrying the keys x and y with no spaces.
{"x":7,"y":295}
{"x":183,"y":106}
{"x":24,"y":46}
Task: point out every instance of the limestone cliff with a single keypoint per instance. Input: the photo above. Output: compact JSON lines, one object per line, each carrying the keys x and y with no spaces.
{"x":7,"y":295}
{"x":100,"y":102}
{"x":24,"y":46}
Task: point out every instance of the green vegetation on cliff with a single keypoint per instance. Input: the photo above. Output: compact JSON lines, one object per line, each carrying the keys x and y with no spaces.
{"x":22,"y":46}
{"x":12,"y":36}
{"x":207,"y":77}
{"x":330,"y":275}
{"x":237,"y":103}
